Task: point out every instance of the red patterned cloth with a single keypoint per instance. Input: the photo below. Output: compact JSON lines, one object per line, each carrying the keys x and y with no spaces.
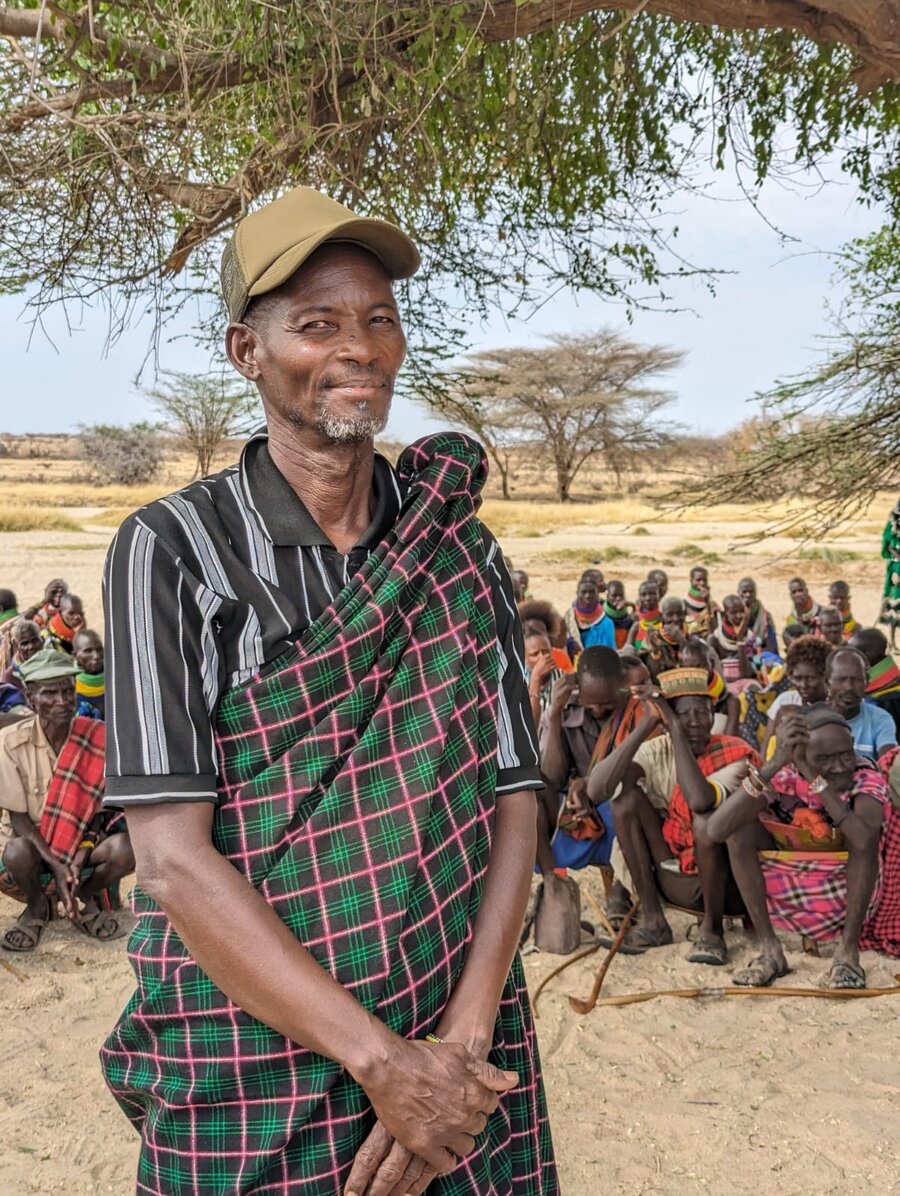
{"x":806,"y":892}
{"x":76,"y":790}
{"x":678,"y":828}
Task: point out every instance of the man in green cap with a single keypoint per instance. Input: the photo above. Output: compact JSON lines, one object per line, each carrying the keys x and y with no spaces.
{"x":319,"y":728}
{"x":61,"y":845}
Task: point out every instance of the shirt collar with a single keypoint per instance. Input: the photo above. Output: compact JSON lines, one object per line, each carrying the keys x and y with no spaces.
{"x":284,"y":517}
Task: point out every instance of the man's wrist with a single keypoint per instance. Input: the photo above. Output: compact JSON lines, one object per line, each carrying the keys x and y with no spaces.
{"x":366,"y":1056}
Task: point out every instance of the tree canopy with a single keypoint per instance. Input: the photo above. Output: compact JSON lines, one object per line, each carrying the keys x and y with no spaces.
{"x":526,"y":144}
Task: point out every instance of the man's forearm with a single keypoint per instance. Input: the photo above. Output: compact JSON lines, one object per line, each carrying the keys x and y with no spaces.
{"x":554,"y":756}
{"x":472,"y":1010}
{"x":699,"y":794}
{"x":608,"y":774}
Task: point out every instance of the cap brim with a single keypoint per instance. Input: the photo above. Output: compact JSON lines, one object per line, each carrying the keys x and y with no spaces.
{"x":393,"y":248}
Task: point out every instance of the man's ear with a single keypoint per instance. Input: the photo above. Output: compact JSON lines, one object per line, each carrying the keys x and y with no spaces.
{"x":242,"y":347}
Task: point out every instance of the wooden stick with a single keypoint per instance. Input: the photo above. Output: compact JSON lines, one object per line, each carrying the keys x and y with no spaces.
{"x":576,"y":1003}
{"x":741,"y":991}
{"x":601,"y":914}
{"x":566,"y":963}
{"x":14,"y":971}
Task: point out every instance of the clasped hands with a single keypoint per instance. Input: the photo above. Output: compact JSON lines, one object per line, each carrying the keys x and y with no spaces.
{"x":432,"y":1101}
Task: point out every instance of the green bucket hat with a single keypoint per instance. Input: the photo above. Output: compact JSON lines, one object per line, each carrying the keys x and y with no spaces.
{"x":48,"y":665}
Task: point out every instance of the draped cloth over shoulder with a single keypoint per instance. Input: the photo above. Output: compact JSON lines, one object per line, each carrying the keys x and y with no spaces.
{"x":357,"y":792}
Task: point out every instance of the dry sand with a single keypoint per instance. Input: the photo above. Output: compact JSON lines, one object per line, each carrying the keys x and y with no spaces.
{"x":672,"y":1097}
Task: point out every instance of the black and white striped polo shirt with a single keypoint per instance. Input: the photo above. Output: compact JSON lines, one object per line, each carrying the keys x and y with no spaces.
{"x":205,"y":586}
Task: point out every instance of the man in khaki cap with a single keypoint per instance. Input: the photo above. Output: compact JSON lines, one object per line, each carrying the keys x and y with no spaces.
{"x":61,"y":844}
{"x":319,"y":729}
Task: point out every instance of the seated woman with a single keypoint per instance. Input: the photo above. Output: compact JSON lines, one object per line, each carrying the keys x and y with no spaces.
{"x":804,"y":609}
{"x":586,"y":620}
{"x":806,"y":666}
{"x":620,"y":610}
{"x":541,"y":671}
{"x":665,"y":643}
{"x":537,"y":615}
{"x":817,"y":783}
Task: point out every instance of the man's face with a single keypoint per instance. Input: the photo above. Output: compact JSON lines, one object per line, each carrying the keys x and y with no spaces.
{"x":673,"y":618}
{"x":53,"y":702}
{"x":615,"y":595}
{"x":601,"y":696}
{"x":700,"y":581}
{"x":799,"y":594}
{"x":747,"y":592}
{"x":71,"y":612}
{"x":831,"y":626}
{"x":847,"y":684}
{"x":27,"y":641}
{"x":326,"y":354}
{"x":588,"y":595}
{"x":696,"y":717}
{"x":537,"y":648}
{"x":88,"y":653}
{"x":831,"y":754}
{"x":808,"y":682}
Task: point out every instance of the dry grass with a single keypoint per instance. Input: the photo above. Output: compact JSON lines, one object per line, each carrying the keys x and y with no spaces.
{"x":16,"y":518}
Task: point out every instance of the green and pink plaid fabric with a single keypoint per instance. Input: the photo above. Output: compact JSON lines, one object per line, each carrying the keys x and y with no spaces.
{"x":357,"y":790}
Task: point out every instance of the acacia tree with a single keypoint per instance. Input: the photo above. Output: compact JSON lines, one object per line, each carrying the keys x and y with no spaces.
{"x":524,"y":143}
{"x":203,"y":410}
{"x":833,"y":434}
{"x":575,"y":398}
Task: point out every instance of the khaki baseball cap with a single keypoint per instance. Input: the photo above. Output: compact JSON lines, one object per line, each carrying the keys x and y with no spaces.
{"x":269,"y":245}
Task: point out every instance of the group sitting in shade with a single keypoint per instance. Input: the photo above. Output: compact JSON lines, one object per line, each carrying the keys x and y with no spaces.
{"x":665,"y":775}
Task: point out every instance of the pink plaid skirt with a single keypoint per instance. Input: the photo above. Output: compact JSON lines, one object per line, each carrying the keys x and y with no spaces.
{"x":806,"y":891}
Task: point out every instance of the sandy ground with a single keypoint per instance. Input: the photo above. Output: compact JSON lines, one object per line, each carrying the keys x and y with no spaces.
{"x":672,"y":1097}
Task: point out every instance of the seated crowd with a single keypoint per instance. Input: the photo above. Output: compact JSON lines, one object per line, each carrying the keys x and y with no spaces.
{"x":703,"y":767}
{"x":58,"y":847}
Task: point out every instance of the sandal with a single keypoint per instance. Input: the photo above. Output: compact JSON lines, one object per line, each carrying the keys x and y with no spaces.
{"x":762,"y":971}
{"x":709,"y":949}
{"x":29,"y":928}
{"x":844,"y":975}
{"x":101,"y":924}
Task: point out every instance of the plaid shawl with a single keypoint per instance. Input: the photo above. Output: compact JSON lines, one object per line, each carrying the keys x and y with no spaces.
{"x":678,"y":828}
{"x":357,"y":791}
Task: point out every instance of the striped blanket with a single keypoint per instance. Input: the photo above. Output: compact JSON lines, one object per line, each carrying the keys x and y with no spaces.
{"x":357,"y":792}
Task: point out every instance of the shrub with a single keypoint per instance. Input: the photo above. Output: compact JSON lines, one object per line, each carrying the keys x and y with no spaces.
{"x":127,"y":456}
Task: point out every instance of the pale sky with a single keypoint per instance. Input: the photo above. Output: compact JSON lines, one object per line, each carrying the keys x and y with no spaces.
{"x":761,"y":324}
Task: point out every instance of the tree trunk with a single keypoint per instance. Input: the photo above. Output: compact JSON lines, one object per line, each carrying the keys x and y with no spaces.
{"x":871,"y":28}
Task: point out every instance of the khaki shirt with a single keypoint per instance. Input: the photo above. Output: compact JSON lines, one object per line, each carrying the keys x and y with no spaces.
{"x":27,"y":762}
{"x":656,"y":759}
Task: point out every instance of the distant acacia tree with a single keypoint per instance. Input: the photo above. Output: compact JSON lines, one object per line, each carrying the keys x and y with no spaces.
{"x":573,"y":398}
{"x":204,"y":410}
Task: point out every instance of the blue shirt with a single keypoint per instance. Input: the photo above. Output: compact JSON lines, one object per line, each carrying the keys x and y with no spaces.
{"x":873,"y":731}
{"x":602,"y":632}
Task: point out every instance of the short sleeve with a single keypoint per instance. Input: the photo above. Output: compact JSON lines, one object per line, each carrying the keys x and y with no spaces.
{"x":885,"y":733}
{"x":163,"y":674}
{"x":13,"y":792}
{"x":517,"y":755}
